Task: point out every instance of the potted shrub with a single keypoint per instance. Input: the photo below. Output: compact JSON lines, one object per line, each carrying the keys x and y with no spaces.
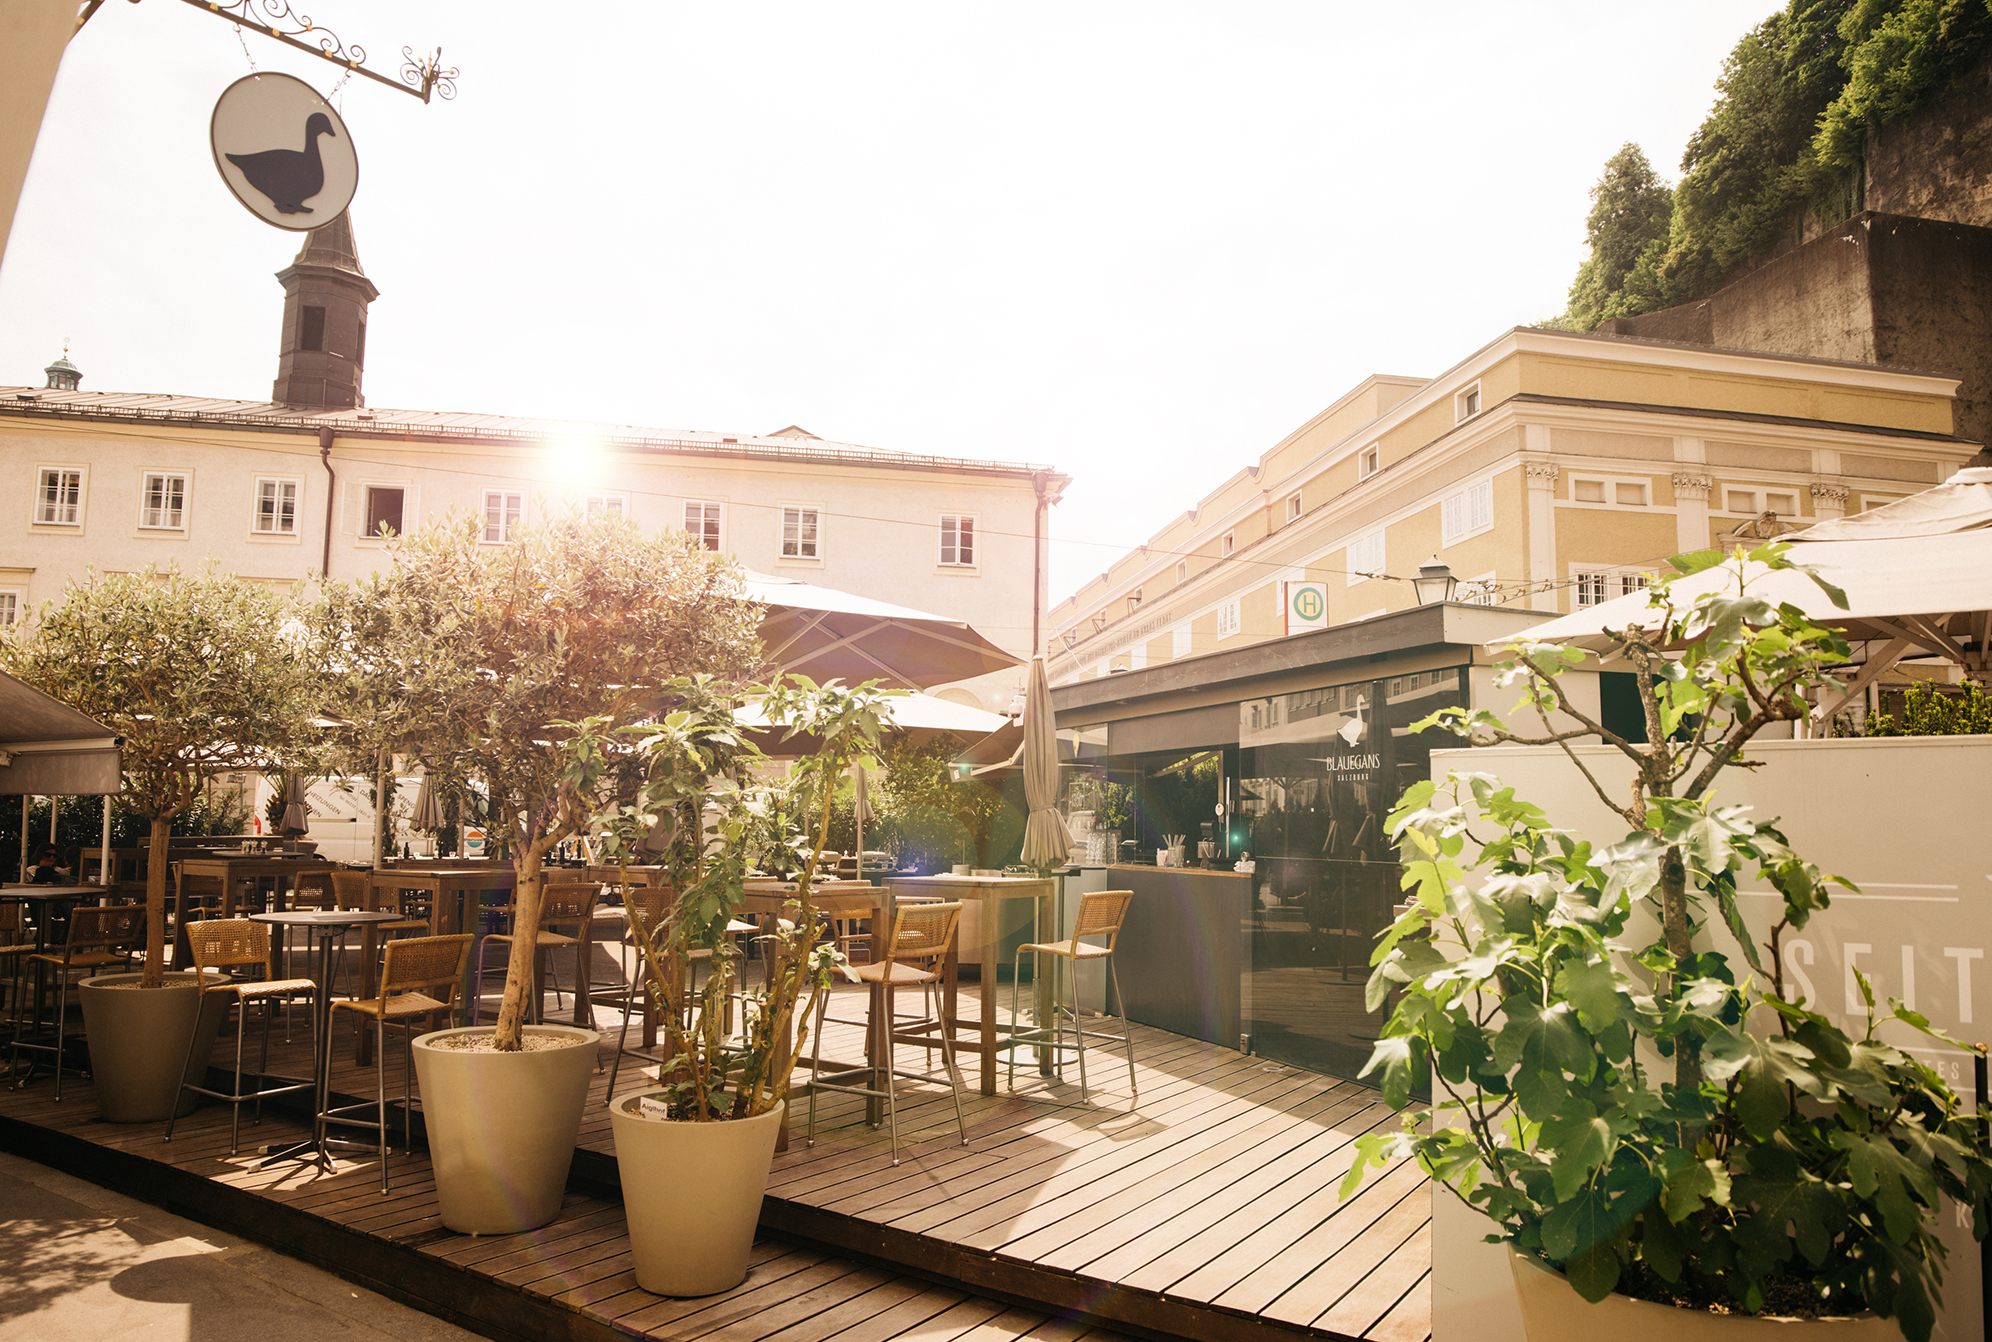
{"x":477,"y":658}
{"x":200,"y":676}
{"x":1648,"y":1123}
{"x":694,"y":1150}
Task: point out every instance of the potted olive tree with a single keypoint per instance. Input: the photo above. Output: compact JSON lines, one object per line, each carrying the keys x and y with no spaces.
{"x":200,"y":675}
{"x":1653,"y":1127}
{"x":694,"y":1151}
{"x":489,"y":651}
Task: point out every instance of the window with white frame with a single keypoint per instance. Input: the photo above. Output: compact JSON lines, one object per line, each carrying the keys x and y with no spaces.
{"x":1133,"y":601}
{"x":1370,"y":462}
{"x":1365,"y":557}
{"x":162,"y":502}
{"x":1227,"y":619}
{"x":1179,"y":643}
{"x":802,"y":533}
{"x":1469,"y":511}
{"x":1466,"y":404}
{"x":276,"y":507}
{"x":59,"y":497}
{"x":384,"y":510}
{"x":1293,"y":506}
{"x":702,"y":520}
{"x":1596,"y":585}
{"x":1227,"y":545}
{"x":958,"y":540}
{"x":1478,"y":591}
{"x":502,"y":510}
{"x":1783,"y":502}
{"x":603,"y":505}
{"x":1182,"y":571}
{"x":10,"y":608}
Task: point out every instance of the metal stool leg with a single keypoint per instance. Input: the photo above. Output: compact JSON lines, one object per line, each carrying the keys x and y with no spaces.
{"x":1016,"y":976}
{"x":380,"y":1091}
{"x":816,"y":1064}
{"x":1127,"y":1032}
{"x":948,"y":1059}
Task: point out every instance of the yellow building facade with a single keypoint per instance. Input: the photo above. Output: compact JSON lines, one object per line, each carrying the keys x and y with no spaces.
{"x":1549,"y":470}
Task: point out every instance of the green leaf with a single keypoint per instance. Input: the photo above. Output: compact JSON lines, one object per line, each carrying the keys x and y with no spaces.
{"x":1696,"y":1183}
{"x":1593,"y":988}
{"x":1582,"y":1147}
{"x":1880,"y":1172}
{"x":1402,"y":1063}
{"x":1539,"y":1047}
{"x":1694,"y":561}
{"x":1594,"y":1274}
{"x":1662,"y":1245}
{"x":1578,"y":1225}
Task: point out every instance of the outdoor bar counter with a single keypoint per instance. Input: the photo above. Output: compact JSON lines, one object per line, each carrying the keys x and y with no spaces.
{"x":1182,"y":955}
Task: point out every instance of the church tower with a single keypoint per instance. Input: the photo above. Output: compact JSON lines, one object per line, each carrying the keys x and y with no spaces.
{"x":323,"y":350}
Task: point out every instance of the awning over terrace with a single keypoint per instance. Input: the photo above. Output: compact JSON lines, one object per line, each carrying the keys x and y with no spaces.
{"x":1917,"y":574}
{"x":48,"y":749}
{"x":831,"y":635}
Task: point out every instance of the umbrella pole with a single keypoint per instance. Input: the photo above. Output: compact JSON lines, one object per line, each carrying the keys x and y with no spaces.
{"x":27,"y":810}
{"x":103,"y":848}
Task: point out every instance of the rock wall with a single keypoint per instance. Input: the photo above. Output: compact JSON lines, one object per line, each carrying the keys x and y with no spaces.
{"x":1936,"y":163}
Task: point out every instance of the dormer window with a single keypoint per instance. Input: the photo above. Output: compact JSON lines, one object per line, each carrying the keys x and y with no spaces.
{"x":1226,"y":546}
{"x":1466,"y":404}
{"x":1133,"y":600}
{"x":1370,"y":462}
{"x":1293,"y":506}
{"x":1182,"y":572}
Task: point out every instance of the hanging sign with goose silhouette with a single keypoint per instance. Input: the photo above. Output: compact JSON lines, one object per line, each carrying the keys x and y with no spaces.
{"x":283,"y":151}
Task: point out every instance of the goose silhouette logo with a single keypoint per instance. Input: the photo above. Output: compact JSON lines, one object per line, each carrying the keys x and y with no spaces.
{"x":283,"y":151}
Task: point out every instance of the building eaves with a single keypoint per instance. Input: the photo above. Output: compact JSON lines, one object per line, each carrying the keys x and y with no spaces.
{"x":474,"y":429}
{"x":1455,"y":624}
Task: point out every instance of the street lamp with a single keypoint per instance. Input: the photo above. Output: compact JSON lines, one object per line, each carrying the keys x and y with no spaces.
{"x":1435,"y":582}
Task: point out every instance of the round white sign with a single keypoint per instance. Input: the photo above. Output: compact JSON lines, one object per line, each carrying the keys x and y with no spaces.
{"x":283,"y":151}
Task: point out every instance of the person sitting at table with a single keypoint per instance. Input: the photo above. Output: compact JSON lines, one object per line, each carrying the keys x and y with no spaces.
{"x":45,"y":872}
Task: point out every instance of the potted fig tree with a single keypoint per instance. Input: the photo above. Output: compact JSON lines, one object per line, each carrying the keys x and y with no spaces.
{"x":1652,"y":1126}
{"x":489,"y":651}
{"x":694,"y":1150}
{"x":200,"y":675}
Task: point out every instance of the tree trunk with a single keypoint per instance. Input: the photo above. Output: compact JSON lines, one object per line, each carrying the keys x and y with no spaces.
{"x":155,"y":904}
{"x":1676,"y":928}
{"x":520,"y":976}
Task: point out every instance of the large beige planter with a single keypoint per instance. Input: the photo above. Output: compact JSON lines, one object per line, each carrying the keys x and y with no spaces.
{"x":692,"y":1193}
{"x":1552,"y":1311}
{"x":502,"y":1127}
{"x":138,"y":1044}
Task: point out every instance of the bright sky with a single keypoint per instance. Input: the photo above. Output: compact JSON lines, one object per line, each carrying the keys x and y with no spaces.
{"x":1139,"y":241}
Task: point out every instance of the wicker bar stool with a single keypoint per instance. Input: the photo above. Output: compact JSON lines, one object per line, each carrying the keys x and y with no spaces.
{"x":99,"y":938}
{"x":1101,"y":914}
{"x":235,"y":944}
{"x":652,"y":904}
{"x":919,"y":942}
{"x":418,"y":979}
{"x":570,"y":905}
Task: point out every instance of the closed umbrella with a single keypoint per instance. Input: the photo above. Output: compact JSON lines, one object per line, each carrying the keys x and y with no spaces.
{"x":861,"y":810}
{"x":1047,"y":842}
{"x":428,"y":815}
{"x":295,"y":807}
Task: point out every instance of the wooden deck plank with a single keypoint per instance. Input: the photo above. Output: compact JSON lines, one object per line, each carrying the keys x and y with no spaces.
{"x":1223,"y":1217}
{"x":1213,"y":1192}
{"x":1281,"y":1251}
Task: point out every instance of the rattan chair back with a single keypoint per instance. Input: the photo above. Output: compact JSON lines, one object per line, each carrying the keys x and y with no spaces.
{"x":228,"y":943}
{"x":117,"y":928}
{"x":570,"y":902}
{"x":922,"y":932}
{"x":349,"y":888}
{"x":430,"y":965}
{"x":315,"y":890}
{"x":1101,"y":914}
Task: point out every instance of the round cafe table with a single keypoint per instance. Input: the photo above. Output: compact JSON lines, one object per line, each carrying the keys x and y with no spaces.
{"x":328,"y":924}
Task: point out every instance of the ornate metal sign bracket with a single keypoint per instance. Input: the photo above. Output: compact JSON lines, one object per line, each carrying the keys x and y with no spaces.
{"x":420,"y":75}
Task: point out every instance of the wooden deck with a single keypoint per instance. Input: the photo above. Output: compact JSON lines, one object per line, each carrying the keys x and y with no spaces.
{"x":1206,"y":1210}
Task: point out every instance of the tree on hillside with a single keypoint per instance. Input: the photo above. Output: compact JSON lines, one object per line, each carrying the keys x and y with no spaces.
{"x":199,"y":675}
{"x":1631,"y":209}
{"x":471,"y":655}
{"x":1898,"y":55}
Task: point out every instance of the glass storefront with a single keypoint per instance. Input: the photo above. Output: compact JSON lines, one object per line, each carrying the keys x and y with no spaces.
{"x":1306,"y":790}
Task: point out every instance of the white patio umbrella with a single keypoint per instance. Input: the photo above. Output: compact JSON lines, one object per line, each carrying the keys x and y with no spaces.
{"x":1924,"y":594}
{"x":830,"y":635}
{"x":1047,"y":842}
{"x":918,"y":716}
